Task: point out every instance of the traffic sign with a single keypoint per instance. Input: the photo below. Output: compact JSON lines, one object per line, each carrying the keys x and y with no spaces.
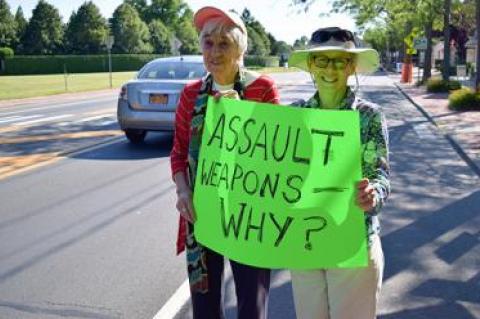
{"x":109,"y":41}
{"x":420,"y":43}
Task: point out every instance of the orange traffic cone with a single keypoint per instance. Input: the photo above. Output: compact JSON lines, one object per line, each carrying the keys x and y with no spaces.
{"x":407,"y":73}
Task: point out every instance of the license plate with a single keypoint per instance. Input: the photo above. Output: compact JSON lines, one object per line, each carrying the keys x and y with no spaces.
{"x":158,"y":98}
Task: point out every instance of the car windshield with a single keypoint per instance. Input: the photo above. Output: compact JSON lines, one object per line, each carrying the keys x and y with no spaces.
{"x":173,"y":71}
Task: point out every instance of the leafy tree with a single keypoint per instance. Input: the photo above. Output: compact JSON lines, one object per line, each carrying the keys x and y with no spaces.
{"x":272,"y":41}
{"x":44,"y":33}
{"x":257,"y":34}
{"x":281,"y":47}
{"x":429,"y":12}
{"x":377,"y":37}
{"x":86,"y":30}
{"x":186,"y":33}
{"x":161,"y":37}
{"x":463,"y":21}
{"x":20,"y":21}
{"x":130,"y":32}
{"x":247,"y":17}
{"x":301,"y":43}
{"x":256,"y":44}
{"x":21,"y":26}
{"x":141,"y":6}
{"x":167,"y":11}
{"x":398,"y":17}
{"x":8,"y":36}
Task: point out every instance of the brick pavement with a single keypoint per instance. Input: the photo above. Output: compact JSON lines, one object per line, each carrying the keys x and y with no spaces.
{"x":462,"y":126}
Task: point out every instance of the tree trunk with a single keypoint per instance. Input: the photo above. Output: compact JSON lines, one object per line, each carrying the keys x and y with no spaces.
{"x":427,"y":67}
{"x":446,"y":40}
{"x":477,"y":59}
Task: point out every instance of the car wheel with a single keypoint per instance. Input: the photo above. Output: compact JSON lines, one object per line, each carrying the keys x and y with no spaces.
{"x":136,"y":136}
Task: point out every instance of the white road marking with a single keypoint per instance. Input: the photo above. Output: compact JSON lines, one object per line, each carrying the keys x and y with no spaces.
{"x":17,"y":118}
{"x":65,"y":123}
{"x":45,"y":119}
{"x":175,"y":303}
{"x":93,"y":118}
{"x":49,"y":107}
{"x":108,"y":120}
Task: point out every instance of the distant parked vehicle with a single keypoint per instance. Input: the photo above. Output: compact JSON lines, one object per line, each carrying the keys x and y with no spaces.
{"x":148,"y":102}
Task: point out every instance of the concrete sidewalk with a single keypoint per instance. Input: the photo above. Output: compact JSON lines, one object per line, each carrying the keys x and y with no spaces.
{"x":460,"y":127}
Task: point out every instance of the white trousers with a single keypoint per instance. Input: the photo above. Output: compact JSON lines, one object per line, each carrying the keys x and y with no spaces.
{"x":346,"y":293}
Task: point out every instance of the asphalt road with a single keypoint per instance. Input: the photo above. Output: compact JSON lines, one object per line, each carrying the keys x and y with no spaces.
{"x":93,"y":235}
{"x":41,"y":129}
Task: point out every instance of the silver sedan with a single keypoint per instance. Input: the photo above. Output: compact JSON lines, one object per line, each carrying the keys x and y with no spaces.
{"x":148,"y":102}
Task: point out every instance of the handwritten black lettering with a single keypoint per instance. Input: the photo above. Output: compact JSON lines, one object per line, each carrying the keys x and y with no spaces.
{"x":298,"y":194}
{"x":262,"y":135}
{"x":272,"y":188}
{"x":235,"y":133}
{"x":247,"y":136}
{"x":251,"y":226}
{"x":329,"y":141}
{"x":253,"y":190}
{"x":295,"y":157}
{"x":282,"y":229}
{"x":277,"y":157}
{"x":219,"y":129}
{"x":234,"y":223}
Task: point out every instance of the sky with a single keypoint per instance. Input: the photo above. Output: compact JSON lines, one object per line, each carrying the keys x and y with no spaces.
{"x":285,"y":22}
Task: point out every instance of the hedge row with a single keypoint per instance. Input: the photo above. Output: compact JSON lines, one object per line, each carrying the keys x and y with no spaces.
{"x":74,"y":63}
{"x":261,"y":61}
{"x":18,"y":65}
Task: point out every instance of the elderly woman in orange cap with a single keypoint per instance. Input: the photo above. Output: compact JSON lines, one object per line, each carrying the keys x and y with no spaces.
{"x":346,"y":293}
{"x":223,"y":42}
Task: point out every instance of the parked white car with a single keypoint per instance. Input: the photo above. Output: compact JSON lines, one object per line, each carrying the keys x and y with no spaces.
{"x":148,"y":102}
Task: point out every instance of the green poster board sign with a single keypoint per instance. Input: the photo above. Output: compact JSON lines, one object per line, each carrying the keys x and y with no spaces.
{"x":275,"y":186}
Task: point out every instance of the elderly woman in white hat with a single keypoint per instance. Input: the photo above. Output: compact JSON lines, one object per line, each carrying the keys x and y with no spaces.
{"x":223,"y":42}
{"x":346,"y":293}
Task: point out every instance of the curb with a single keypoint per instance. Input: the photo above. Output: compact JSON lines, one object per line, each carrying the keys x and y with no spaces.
{"x":453,"y":142}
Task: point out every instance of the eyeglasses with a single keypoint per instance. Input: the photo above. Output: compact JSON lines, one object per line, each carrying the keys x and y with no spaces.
{"x":322,"y":62}
{"x":323,"y":35}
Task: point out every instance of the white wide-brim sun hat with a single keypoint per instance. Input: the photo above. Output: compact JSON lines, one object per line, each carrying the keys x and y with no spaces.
{"x":367,"y":59}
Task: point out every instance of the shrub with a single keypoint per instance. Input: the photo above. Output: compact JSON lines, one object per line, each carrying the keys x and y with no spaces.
{"x":454,"y":85}
{"x":439,"y":85}
{"x":261,"y":61}
{"x":464,"y":99}
{"x":6,"y":53}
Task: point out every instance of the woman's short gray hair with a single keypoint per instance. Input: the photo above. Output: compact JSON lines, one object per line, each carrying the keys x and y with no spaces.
{"x":218,"y":26}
